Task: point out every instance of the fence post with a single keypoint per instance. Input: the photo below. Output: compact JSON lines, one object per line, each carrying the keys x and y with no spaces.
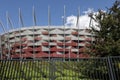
{"x":110,"y":68}
{"x":52,"y":70}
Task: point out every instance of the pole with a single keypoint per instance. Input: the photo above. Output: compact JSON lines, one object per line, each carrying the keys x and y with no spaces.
{"x":20,"y":18}
{"x":3,"y":27}
{"x":34,"y":24}
{"x":34,"y":17}
{"x":77,"y":25}
{"x":8,"y":56}
{"x":20,"y":22}
{"x":12,"y":27}
{"x":49,"y":23}
{"x":9,"y":21}
{"x":64,"y":30}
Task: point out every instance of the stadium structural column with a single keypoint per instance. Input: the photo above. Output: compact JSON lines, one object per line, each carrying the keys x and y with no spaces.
{"x":70,"y":42}
{"x":12,"y":27}
{"x":20,"y":43}
{"x":77,"y":25}
{"x":64,"y":18}
{"x":8,"y":40}
{"x":49,"y":23}
{"x":34,"y":24}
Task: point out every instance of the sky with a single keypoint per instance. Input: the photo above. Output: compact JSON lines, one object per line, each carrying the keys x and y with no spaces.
{"x":56,"y":10}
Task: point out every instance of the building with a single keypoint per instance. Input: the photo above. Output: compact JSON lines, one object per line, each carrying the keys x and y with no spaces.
{"x":46,"y":42}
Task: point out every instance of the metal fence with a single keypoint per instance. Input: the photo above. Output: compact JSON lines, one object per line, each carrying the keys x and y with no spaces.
{"x":107,"y":68}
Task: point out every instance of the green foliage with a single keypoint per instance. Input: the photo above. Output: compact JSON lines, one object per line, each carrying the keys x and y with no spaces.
{"x":93,"y":69}
{"x":107,"y":41}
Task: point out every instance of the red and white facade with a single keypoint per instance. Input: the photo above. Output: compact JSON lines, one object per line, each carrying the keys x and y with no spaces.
{"x":44,"y":42}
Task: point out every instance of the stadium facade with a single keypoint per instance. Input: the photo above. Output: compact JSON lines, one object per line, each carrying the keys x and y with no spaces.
{"x":46,"y":42}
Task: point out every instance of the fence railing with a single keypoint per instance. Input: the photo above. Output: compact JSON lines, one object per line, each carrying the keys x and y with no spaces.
{"x":107,"y":68}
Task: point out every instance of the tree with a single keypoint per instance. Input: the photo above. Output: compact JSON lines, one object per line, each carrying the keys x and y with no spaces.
{"x":107,"y":41}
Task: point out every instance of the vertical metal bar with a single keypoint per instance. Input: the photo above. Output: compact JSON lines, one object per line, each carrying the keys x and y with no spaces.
{"x":114,"y":67}
{"x":103,"y":68}
{"x":32,"y":68}
{"x":9,"y":69}
{"x":52,"y":70}
{"x":76,"y":73}
{"x":108,"y":71}
{"x":110,"y":68}
{"x":118,"y":69}
{"x":106,"y":75}
{"x":1,"y":66}
{"x":27,"y":68}
{"x":37,"y":64}
{"x":101,"y":62}
{"x":87,"y":71}
{"x":14,"y":68}
{"x":26,"y":63}
{"x":25,"y":71}
{"x":18,"y":65}
{"x":29,"y":64}
{"x":42,"y":67}
{"x":2,"y":69}
{"x":5,"y":69}
{"x":100,"y":74}
{"x":96,"y":66}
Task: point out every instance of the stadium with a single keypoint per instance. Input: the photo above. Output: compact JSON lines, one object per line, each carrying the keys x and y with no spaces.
{"x":45,"y":42}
